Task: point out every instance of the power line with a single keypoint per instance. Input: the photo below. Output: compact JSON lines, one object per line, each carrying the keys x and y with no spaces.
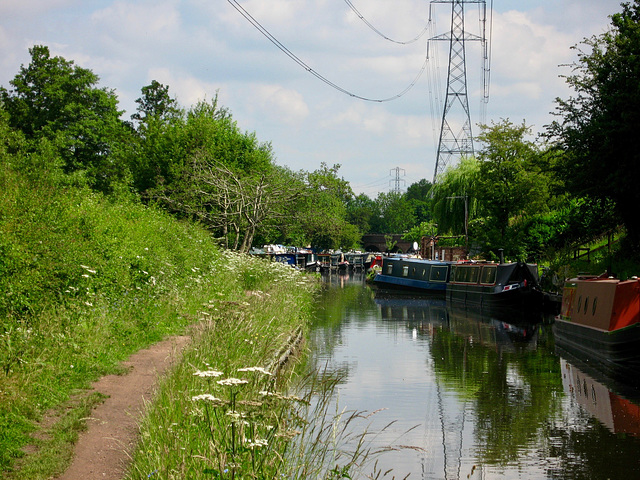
{"x":296,"y":59}
{"x":415,"y":39}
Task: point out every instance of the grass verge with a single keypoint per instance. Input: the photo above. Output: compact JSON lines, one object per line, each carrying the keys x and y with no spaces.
{"x":89,"y":280}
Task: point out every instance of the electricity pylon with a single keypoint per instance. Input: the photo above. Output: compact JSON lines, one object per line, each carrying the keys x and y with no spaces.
{"x":456,"y":139}
{"x":396,"y":183}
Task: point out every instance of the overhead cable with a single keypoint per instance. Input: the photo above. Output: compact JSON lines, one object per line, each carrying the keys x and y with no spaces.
{"x":361,"y":17}
{"x":296,"y":59}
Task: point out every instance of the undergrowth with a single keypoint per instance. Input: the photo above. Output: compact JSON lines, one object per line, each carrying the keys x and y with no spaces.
{"x":88,"y":280}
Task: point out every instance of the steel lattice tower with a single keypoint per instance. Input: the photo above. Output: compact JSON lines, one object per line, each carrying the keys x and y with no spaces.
{"x":396,"y":183}
{"x":456,"y":139}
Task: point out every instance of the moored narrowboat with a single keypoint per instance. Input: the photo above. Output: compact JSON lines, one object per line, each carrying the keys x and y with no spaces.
{"x":413,"y":274}
{"x":488,"y":286}
{"x":600,"y":320}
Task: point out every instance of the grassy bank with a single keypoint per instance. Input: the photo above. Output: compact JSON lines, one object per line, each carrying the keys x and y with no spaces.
{"x":224,"y":411}
{"x":87,"y":281}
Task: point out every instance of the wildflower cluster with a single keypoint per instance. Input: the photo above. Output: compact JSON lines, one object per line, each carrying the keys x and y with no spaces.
{"x":246,"y":434}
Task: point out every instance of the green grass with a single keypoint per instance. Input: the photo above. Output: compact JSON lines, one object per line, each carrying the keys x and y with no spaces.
{"x":243,"y":432}
{"x":87,"y":281}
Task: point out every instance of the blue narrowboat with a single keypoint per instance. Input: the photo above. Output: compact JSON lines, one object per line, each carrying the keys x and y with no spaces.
{"x":413,"y":273}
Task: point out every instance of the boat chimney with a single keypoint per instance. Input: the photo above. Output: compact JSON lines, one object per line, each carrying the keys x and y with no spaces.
{"x":501,"y":250}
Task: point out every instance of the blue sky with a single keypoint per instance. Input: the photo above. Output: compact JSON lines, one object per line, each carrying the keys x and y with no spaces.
{"x":203,"y":47}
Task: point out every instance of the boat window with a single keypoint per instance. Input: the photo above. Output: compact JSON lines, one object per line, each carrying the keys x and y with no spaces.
{"x":438,"y":274}
{"x":454,"y":273}
{"x":474,"y":273}
{"x":405,"y":270}
{"x":594,"y":399}
{"x":579,"y":304}
{"x":461,"y":274}
{"x":586,"y":304}
{"x":389,"y":268}
{"x":488,"y":276}
{"x":413,"y":271}
{"x":424,"y":272}
{"x":595,"y":304}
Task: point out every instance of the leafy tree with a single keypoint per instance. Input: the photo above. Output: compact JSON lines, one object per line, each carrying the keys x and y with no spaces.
{"x":362,"y":212}
{"x":156,"y":104}
{"x":424,"y":229}
{"x":510,"y":186}
{"x":159,"y":122}
{"x":418,"y":194}
{"x":323,"y":210}
{"x":54,"y":99}
{"x":454,"y":202}
{"x":235,"y":205}
{"x":397,"y":214}
{"x":599,"y":124}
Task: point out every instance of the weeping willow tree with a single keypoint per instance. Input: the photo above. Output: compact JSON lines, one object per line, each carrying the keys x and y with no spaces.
{"x":454,"y":202}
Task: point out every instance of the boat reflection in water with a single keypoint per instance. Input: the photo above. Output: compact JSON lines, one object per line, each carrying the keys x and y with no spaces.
{"x":473,"y":396}
{"x":392,"y":306}
{"x":617,"y":413}
{"x":508,"y":329}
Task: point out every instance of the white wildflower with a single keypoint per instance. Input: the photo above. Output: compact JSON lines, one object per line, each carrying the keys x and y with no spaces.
{"x":232,"y":382}
{"x":256,"y":443}
{"x":265,"y":393}
{"x":207,"y":397}
{"x":207,"y":373}
{"x":255,"y":369}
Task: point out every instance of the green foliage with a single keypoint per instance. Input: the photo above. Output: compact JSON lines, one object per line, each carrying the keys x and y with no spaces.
{"x":598,"y":125}
{"x":397,"y":214}
{"x":454,"y":200}
{"x":205,"y":425}
{"x":425,"y":229}
{"x":323,"y":210}
{"x":86,"y":281}
{"x":55,"y":100}
{"x":509,"y":183}
{"x":419,"y":194}
{"x":362,"y":212}
{"x":500,"y":197}
{"x":89,"y":280}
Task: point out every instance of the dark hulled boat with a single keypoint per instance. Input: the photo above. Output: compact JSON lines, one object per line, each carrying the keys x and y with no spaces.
{"x":488,"y":286}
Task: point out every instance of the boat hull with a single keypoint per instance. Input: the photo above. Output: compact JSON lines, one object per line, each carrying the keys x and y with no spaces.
{"x":611,"y":349}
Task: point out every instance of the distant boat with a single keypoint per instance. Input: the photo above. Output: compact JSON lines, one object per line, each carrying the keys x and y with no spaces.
{"x":600,"y":321}
{"x":489,"y":286}
{"x":359,"y":260}
{"x":413,"y":274}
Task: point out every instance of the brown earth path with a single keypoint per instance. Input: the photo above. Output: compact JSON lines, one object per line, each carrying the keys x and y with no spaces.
{"x":104,"y":450}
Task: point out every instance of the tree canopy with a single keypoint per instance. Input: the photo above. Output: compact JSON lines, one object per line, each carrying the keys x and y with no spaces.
{"x":525,"y":195}
{"x":596,"y":127}
{"x":54,"y":99}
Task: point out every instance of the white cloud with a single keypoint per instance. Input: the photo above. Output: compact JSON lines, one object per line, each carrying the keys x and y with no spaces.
{"x":148,"y":21}
{"x":33,"y":8}
{"x":280,"y":104}
{"x":187,"y":89}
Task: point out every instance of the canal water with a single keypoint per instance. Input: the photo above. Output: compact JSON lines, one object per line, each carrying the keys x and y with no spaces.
{"x":451,"y":394}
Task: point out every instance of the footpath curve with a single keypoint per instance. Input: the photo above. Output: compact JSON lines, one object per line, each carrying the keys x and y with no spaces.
{"x":104,"y":450}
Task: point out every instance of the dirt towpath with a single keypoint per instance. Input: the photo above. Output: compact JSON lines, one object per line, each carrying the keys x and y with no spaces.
{"x":104,"y":450}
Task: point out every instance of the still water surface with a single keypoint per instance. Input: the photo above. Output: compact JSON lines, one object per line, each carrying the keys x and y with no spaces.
{"x":470,"y":396}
